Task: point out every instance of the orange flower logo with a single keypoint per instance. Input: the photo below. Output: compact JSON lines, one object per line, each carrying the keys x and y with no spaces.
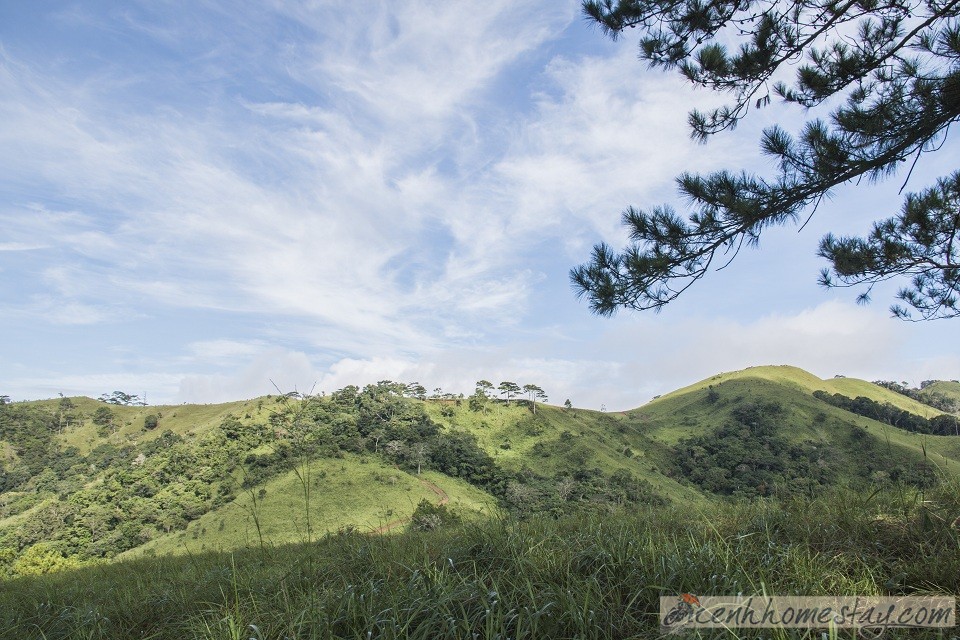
{"x":690,"y":599}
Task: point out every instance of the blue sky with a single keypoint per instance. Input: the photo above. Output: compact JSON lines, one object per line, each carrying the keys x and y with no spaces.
{"x":199,"y":198}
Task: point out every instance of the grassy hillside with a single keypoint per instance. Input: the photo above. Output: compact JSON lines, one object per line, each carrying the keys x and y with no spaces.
{"x":184,"y":420}
{"x":949,"y":388}
{"x":828,"y":445}
{"x":579,"y":576}
{"x":79,"y":487}
{"x":851,"y":387}
{"x":946,"y":388}
{"x":688,"y":410}
{"x":354,"y":493}
{"x":557,"y":442}
{"x":554,"y":446}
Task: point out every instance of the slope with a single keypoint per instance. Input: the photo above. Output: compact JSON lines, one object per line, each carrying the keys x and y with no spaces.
{"x":559,"y":443}
{"x":354,"y":493}
{"x":949,"y":389}
{"x":852,"y":449}
{"x":184,"y":420}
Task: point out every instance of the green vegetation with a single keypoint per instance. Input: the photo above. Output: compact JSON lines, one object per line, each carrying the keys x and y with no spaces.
{"x":940,"y":394}
{"x":949,"y":390}
{"x":429,"y":517}
{"x":941,"y":425}
{"x":580,"y":576}
{"x":353,"y":493}
{"x":92,"y":487}
{"x":748,"y":456}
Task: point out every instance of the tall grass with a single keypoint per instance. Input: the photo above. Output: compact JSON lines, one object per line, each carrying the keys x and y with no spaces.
{"x":577,"y":577}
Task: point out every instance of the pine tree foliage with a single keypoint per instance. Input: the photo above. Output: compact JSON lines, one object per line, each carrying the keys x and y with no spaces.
{"x":890,"y":70}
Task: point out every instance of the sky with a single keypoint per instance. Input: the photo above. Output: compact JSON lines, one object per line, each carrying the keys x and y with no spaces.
{"x":207,"y":201}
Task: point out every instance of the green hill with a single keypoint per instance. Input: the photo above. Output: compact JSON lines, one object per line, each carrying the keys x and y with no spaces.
{"x":82,"y":480}
{"x":353,"y":493}
{"x":798,"y":379}
{"x":849,"y":446}
{"x":948,"y":389}
{"x":559,"y":442}
{"x":184,"y":420}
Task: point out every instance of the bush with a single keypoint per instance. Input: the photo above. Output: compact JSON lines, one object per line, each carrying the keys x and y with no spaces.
{"x":104,"y":419}
{"x":102,"y":416}
{"x":429,"y":517}
{"x":151,"y":422}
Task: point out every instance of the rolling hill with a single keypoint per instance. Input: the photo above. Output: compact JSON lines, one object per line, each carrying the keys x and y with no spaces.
{"x":949,"y":389}
{"x":277,"y":470}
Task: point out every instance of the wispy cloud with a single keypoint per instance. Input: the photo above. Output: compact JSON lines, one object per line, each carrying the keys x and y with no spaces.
{"x":67,"y":312}
{"x":21,"y":246}
{"x":349,"y":225}
{"x":331,"y":188}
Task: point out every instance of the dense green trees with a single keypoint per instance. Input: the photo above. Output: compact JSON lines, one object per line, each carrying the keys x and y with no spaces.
{"x":477,"y":401}
{"x":104,"y":417}
{"x":67,"y":414}
{"x":943,"y":425}
{"x":481,"y":396}
{"x":158,"y":486}
{"x":29,"y":430}
{"x":749,"y":456}
{"x":889,"y":72}
{"x":924,"y":395}
{"x":416,"y":390}
{"x":584,"y":489}
{"x":429,"y":517}
{"x":123,"y":493}
{"x":458,"y":454}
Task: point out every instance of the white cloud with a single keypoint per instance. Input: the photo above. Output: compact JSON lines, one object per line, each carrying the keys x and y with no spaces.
{"x":288,"y":370}
{"x":624,"y":365}
{"x":217,"y":351}
{"x":347,"y":225}
{"x":21,"y":246}
{"x":424,"y":61}
{"x":604,"y":136}
{"x":345,"y":229}
{"x":347,"y":175}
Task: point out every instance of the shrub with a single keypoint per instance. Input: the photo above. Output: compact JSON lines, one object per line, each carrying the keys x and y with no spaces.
{"x":429,"y":517}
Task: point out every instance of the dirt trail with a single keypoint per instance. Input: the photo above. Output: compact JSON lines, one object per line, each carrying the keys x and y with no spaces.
{"x":440,"y":493}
